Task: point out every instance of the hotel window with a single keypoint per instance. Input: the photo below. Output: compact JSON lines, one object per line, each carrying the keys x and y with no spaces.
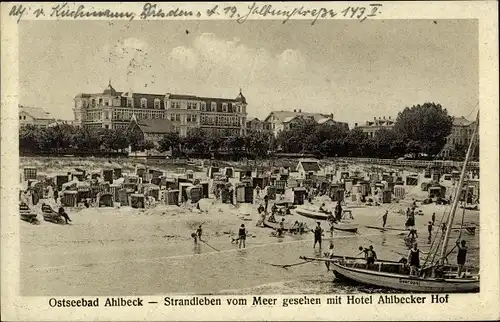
{"x":178,"y":117}
{"x":130,"y":102}
{"x":191,"y":106}
{"x":224,"y":107}
{"x":144,"y":103}
{"x":100,"y":101}
{"x":213,"y":107}
{"x":176,"y":105}
{"x":203,"y":106}
{"x":157,"y":103}
{"x":84,"y":103}
{"x":93,"y":102}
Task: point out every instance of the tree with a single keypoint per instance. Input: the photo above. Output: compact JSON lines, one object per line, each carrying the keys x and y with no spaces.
{"x":235,"y":143}
{"x":356,"y":143}
{"x":30,"y":138}
{"x":196,"y":141}
{"x":330,"y":138}
{"x":424,"y":128}
{"x":300,"y":138}
{"x":258,"y":143}
{"x":169,"y":141}
{"x":386,"y":144}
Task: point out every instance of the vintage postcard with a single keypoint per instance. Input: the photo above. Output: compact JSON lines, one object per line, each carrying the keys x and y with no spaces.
{"x":250,"y":161}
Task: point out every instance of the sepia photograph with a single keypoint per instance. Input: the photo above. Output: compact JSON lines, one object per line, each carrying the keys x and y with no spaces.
{"x":217,"y":159}
{"x":190,"y":159}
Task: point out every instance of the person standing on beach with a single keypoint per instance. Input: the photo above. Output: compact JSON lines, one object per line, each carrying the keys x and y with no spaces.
{"x":318,"y":232}
{"x":266,"y":202}
{"x":242,"y":236}
{"x":384,"y":218}
{"x":433,"y":218}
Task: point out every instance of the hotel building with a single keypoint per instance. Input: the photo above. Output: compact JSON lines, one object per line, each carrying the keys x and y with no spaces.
{"x":113,"y":110}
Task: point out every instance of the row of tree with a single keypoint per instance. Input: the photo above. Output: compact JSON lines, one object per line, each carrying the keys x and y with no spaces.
{"x":419,"y":130}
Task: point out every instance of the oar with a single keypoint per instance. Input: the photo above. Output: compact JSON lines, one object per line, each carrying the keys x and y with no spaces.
{"x":209,"y":245}
{"x":288,"y":265}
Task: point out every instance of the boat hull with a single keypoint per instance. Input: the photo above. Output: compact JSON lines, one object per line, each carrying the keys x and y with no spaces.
{"x":404,"y":282}
{"x":312,"y":214}
{"x":319,"y":216}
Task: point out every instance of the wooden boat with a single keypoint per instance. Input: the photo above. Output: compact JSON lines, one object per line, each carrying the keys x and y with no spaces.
{"x":435,"y":278}
{"x":352,"y":228}
{"x":387,"y":228}
{"x":396,"y":276}
{"x":276,"y":225}
{"x":312,"y":214}
{"x":342,"y":226}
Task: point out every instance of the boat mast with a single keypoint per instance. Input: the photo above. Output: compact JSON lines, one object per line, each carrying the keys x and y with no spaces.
{"x":458,"y":191}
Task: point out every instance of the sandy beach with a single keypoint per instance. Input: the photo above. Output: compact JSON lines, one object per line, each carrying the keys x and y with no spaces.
{"x":110,"y":251}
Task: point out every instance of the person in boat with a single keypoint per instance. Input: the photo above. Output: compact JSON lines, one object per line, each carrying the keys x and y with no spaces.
{"x":242,"y":236}
{"x":461,"y":256}
{"x":330,"y":254}
{"x":199,"y":232}
{"x":63,"y":214}
{"x":414,"y":259}
{"x":266,"y":202}
{"x":384,"y":218}
{"x":287,"y":210}
{"x":260,"y":209}
{"x":371,"y":255}
{"x":443,"y":227}
{"x":433,"y":218}
{"x":318,"y":233}
{"x":296,"y":227}
{"x":322,"y":208}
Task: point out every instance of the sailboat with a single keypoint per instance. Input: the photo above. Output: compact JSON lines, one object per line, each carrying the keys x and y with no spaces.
{"x":437,"y":277}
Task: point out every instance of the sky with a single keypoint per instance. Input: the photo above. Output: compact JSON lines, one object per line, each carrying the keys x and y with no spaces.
{"x":354,"y":70}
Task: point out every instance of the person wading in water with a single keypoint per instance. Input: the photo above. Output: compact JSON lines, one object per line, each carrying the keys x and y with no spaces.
{"x":329,"y":255}
{"x":461,"y":256}
{"x":199,"y":232}
{"x":414,"y":259}
{"x":242,"y":236}
{"x":318,"y":232}
{"x":429,"y":229}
